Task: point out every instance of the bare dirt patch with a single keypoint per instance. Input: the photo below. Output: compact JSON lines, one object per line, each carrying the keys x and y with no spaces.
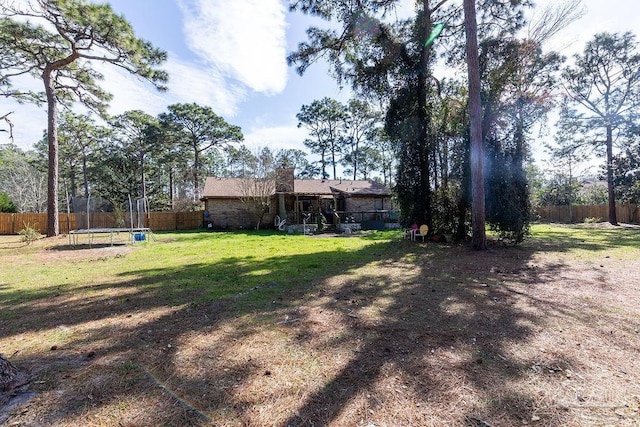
{"x":61,"y":247}
{"x":86,"y":251}
{"x":427,"y":335}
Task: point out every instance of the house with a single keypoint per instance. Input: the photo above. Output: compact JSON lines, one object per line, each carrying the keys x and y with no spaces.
{"x":234,"y":203}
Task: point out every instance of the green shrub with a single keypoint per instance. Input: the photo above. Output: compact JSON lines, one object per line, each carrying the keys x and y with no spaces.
{"x":6,"y":205}
{"x":29,"y":234}
{"x":592,"y":219}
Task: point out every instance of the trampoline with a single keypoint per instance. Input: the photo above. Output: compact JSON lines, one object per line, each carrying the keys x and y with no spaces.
{"x":97,"y":217}
{"x":134,"y":234}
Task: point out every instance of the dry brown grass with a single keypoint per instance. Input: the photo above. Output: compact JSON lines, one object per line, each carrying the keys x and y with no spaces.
{"x":429,"y":335}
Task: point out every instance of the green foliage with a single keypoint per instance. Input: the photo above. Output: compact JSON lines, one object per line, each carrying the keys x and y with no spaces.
{"x":79,"y":139}
{"x":297,"y":159}
{"x":426,"y":119}
{"x":592,"y":194}
{"x":325,"y":120}
{"x":119,"y":219}
{"x":412,"y":180}
{"x":517,"y":81}
{"x":557,"y":190}
{"x":240,"y":162}
{"x":6,"y":205}
{"x":29,"y":234}
{"x":81,"y":27}
{"x":535,"y":179}
{"x":592,"y":220}
{"x":363,"y":162}
{"x":198,"y":129}
{"x":560,"y":189}
{"x":360,"y":147}
{"x":507,"y":198}
{"x":139,"y":137}
{"x":446,"y":200}
{"x":321,"y":222}
{"x":626,"y":174}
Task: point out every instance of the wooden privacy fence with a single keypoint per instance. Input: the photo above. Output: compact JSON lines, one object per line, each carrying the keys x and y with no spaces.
{"x":625,"y":213}
{"x":12,"y":223}
{"x":169,"y":221}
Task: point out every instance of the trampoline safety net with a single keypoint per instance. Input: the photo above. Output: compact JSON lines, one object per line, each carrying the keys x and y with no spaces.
{"x":96,"y":212}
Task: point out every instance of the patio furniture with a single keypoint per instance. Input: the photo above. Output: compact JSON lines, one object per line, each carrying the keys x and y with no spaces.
{"x":421,"y":232}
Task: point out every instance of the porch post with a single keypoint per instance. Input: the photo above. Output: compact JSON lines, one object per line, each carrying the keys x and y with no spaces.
{"x":281,"y":208}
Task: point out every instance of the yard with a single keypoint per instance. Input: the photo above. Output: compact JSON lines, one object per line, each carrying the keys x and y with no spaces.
{"x":261,"y":329}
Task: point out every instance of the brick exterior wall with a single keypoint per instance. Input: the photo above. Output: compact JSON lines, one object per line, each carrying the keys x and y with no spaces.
{"x":364,"y":204}
{"x":233,"y":214}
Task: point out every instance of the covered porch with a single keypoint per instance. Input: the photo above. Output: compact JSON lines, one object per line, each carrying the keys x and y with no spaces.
{"x":333,"y":212}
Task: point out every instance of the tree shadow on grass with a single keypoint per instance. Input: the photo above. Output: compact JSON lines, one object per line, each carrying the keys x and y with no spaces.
{"x":90,"y":325}
{"x":423,"y":319}
{"x":451,"y":319}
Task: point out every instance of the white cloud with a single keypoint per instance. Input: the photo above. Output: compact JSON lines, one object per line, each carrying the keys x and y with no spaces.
{"x":129,"y":93}
{"x":204,"y":86}
{"x":240,"y":45}
{"x":276,"y":137}
{"x":244,"y":39}
{"x":187,"y":83}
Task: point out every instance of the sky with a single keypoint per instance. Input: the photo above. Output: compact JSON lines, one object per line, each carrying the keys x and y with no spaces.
{"x":231,"y":56}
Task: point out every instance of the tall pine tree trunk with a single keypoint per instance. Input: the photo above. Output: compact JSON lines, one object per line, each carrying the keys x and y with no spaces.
{"x":424,"y":145}
{"x":355,"y":161}
{"x":196,"y":172}
{"x":171,"y":189}
{"x":479,"y":238}
{"x":613,"y":219}
{"x":53,"y":227}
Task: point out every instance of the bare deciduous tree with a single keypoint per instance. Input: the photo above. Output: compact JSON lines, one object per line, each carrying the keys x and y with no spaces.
{"x":259,"y":186}
{"x":256,"y":196}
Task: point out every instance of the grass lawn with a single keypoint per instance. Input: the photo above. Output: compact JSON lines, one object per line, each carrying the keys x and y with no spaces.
{"x":265,"y":329}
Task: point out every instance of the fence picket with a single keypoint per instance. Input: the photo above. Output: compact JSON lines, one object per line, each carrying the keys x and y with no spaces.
{"x":627,"y":213}
{"x":12,"y":223}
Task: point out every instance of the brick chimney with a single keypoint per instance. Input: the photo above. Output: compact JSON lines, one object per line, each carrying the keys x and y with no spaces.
{"x":284,"y":180}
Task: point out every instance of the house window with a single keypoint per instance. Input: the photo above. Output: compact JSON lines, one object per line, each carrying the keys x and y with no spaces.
{"x":379,"y":205}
